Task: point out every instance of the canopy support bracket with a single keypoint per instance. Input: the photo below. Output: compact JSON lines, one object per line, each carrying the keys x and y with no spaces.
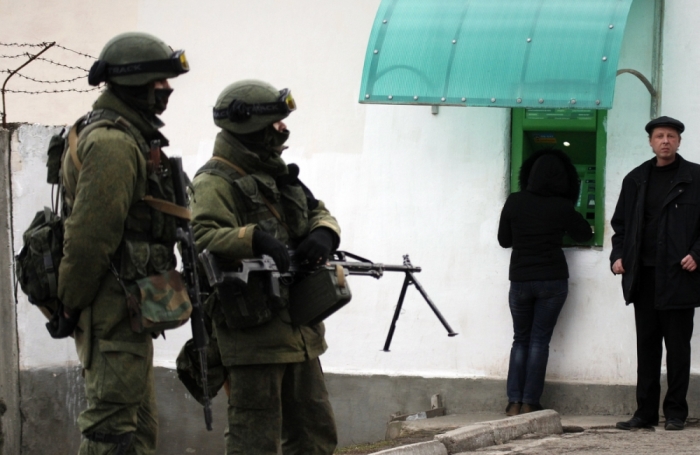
{"x":641,"y":77}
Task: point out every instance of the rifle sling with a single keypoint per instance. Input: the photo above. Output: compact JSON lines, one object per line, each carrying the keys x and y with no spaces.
{"x":269,"y":205}
{"x":167,"y":207}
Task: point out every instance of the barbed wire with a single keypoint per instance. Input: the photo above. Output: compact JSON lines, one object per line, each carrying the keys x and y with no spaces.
{"x":13,"y":56}
{"x":41,"y":81}
{"x":34,"y":55}
{"x":38,"y":92}
{"x":75,"y":52}
{"x":44,"y":45}
{"x":23,"y":44}
{"x":61,"y":64}
{"x":47,"y":60}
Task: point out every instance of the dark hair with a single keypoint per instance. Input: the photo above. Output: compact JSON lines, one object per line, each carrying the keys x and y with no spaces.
{"x":574,"y":185}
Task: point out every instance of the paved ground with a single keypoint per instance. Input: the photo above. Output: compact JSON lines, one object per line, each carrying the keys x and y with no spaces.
{"x":605,"y":441}
{"x":584,"y":435}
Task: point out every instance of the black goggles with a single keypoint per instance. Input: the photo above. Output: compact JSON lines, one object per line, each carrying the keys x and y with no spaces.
{"x":101,"y":71}
{"x":239,"y":112}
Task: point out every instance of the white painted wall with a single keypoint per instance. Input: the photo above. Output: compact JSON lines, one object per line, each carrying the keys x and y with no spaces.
{"x":399,"y":179}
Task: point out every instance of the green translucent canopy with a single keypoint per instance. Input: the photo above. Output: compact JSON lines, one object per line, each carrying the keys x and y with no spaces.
{"x":505,"y":53}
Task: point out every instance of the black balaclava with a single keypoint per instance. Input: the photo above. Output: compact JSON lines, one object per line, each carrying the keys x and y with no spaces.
{"x":265,"y":142}
{"x":146,"y":99}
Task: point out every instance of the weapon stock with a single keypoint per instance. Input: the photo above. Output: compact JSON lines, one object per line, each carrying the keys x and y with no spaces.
{"x":358,"y":266}
{"x":189,"y":272}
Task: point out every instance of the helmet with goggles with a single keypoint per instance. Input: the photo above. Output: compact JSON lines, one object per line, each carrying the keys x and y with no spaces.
{"x":251,"y":105}
{"x":137,"y":59}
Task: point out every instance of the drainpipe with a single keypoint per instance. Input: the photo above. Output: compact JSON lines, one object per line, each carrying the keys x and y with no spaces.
{"x":657,"y":57}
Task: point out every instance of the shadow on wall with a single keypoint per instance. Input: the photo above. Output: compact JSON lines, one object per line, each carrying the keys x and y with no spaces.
{"x":3,"y":408}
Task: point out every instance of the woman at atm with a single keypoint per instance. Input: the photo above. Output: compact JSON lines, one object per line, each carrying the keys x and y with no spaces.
{"x":533,"y":223}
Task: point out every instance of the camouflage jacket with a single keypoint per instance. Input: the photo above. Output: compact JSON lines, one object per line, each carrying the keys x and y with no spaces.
{"x":224,"y":217}
{"x":110,"y":226}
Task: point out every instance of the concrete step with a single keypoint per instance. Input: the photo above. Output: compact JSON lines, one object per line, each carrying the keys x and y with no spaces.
{"x":467,"y":432}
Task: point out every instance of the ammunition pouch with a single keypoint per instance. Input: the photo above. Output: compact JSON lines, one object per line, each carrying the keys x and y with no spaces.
{"x":252,"y":305}
{"x":158,"y":302}
{"x":318,"y":295}
{"x":142,"y":258}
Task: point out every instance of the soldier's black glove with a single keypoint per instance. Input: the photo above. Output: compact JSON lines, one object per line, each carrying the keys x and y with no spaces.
{"x":264,"y":243}
{"x":317,"y":246}
{"x":60,"y":326}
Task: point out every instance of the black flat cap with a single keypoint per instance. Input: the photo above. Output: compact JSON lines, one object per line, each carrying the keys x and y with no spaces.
{"x":665,"y":121}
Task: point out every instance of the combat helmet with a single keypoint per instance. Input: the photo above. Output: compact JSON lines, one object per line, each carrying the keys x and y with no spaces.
{"x":137,"y":59}
{"x":251,"y":105}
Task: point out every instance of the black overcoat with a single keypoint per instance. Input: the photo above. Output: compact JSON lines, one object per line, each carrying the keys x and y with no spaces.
{"x":678,"y":235}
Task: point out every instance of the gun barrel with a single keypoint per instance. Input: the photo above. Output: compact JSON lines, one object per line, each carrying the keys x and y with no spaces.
{"x":400,"y":268}
{"x":366,"y":266}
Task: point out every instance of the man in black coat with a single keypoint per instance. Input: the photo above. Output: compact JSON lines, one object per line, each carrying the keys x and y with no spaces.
{"x":656,"y":248}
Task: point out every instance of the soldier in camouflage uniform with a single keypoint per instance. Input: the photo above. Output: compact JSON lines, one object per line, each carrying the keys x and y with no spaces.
{"x":113,"y":237}
{"x":247,"y":202}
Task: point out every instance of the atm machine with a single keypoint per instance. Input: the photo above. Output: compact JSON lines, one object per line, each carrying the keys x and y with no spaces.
{"x":580,"y":133}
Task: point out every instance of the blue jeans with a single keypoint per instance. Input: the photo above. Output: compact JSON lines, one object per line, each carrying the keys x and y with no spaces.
{"x":535,"y":307}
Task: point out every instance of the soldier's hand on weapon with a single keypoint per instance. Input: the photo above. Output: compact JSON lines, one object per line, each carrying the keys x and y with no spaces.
{"x":62,"y":323}
{"x":264,"y":243}
{"x":317,"y":246}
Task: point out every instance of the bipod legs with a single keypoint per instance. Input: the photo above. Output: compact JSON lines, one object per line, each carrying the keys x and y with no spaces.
{"x":411,"y":280}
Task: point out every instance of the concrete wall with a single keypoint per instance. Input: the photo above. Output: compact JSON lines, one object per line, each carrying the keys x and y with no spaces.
{"x":399,"y":179}
{"x":9,"y":355}
{"x":362,"y":405}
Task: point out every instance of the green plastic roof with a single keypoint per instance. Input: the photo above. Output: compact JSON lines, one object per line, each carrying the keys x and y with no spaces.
{"x":505,"y":53}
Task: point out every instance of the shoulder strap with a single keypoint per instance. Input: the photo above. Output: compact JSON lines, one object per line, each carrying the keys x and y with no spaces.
{"x":98,"y":119}
{"x":270,"y":207}
{"x":103,"y":118}
{"x":73,"y":147}
{"x":230,"y":164}
{"x":229,"y":174}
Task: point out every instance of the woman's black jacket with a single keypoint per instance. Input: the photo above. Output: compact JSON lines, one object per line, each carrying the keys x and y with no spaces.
{"x":678,"y":235}
{"x":533,"y":221}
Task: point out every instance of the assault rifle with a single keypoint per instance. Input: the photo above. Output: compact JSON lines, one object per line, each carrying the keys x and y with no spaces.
{"x":338,"y":264}
{"x":189,"y":273}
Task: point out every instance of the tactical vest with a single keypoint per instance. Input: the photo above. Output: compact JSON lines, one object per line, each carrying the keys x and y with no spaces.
{"x":149,"y":233}
{"x":281,"y":212}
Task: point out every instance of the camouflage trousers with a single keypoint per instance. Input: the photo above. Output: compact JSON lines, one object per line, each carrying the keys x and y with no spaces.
{"x":279,"y":404}
{"x":121,"y":398}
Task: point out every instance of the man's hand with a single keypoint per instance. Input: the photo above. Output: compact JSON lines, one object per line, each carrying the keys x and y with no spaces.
{"x":62,"y":323}
{"x":617,"y":267}
{"x":689,"y":264}
{"x":317,"y":246}
{"x":264,"y":243}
